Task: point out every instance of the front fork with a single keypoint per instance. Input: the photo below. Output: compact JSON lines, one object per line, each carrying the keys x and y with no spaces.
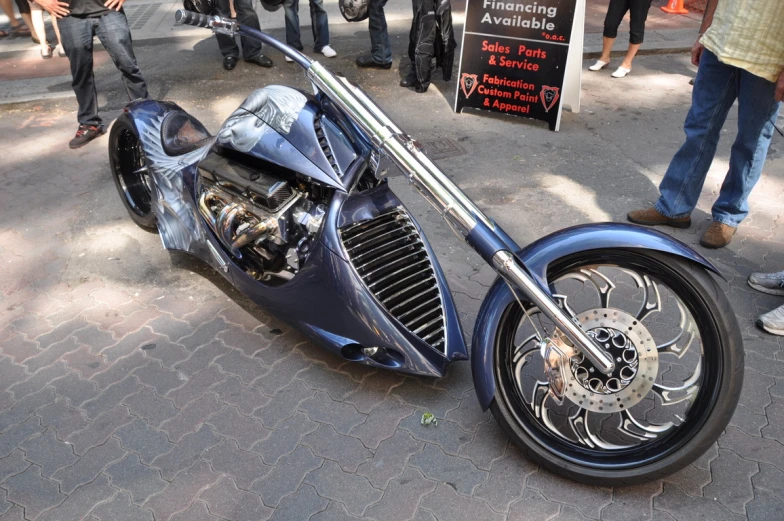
{"x":459,"y":211}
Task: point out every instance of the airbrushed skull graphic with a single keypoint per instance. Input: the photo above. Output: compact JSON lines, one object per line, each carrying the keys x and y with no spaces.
{"x":468,"y":83}
{"x":549,"y":96}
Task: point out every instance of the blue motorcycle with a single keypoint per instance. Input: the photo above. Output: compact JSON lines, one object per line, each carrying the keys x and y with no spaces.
{"x":607,"y":352}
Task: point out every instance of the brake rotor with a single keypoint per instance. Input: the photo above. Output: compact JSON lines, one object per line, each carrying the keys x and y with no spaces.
{"x":636,"y":363}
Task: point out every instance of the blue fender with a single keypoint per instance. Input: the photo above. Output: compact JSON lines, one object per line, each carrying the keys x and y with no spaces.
{"x":537,"y":257}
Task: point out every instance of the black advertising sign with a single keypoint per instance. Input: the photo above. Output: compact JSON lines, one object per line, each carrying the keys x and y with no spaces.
{"x":513,"y":58}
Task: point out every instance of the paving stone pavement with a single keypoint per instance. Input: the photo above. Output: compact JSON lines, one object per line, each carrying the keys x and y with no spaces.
{"x":137,"y":385}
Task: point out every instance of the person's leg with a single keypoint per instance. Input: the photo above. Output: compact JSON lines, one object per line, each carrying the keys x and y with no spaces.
{"x":380,"y":48}
{"x":77,"y":35}
{"x":715,"y":90}
{"x":227,"y":44}
{"x":638,"y":15}
{"x":115,"y":35}
{"x":319,"y":22}
{"x":291,"y":15}
{"x":615,"y":13}
{"x":757,"y":114}
{"x":37,"y":15}
{"x":247,"y":16}
{"x":59,"y":48}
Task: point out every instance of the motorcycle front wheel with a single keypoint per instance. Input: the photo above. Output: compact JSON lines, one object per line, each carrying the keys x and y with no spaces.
{"x":679,"y":369}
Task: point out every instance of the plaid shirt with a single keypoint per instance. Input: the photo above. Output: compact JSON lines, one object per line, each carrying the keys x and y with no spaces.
{"x":749,"y":34}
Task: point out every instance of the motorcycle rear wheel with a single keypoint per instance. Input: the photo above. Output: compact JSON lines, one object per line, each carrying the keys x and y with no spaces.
{"x":678,"y":377}
{"x":130,"y":172}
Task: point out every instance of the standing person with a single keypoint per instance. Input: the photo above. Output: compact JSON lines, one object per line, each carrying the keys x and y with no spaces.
{"x":20,"y":29}
{"x":17,"y":28}
{"x":37,"y":14}
{"x":319,"y":23}
{"x":80,"y":21}
{"x":615,"y":13}
{"x":251,"y":49}
{"x":380,"y":48}
{"x":772,"y":284}
{"x":740,"y":53}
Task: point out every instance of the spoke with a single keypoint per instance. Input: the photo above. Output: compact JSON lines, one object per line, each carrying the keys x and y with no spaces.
{"x":546,"y":418}
{"x":650,"y":431}
{"x":518,"y":363}
{"x":580,"y":420}
{"x":649,"y":290}
{"x":603,"y":285}
{"x":537,"y":399}
{"x":688,"y":331}
{"x":686,"y":391}
{"x":562,"y":301}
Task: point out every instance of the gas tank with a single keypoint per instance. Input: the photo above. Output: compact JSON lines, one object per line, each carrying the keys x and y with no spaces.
{"x":287,"y":127}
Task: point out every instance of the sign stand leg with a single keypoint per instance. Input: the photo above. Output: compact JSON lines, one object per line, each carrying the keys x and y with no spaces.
{"x":574,"y":62}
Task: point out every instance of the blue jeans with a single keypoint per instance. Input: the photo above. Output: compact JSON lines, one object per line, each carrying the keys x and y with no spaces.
{"x":715,"y":89}
{"x":115,"y":35}
{"x":318,"y":22}
{"x":380,"y":48}
{"x":246,"y":15}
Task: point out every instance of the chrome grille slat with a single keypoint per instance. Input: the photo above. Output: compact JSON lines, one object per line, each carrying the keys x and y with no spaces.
{"x":388,"y":254}
{"x":404,"y":239}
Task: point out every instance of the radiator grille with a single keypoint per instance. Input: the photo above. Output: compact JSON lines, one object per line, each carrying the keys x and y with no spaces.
{"x":324,"y":143}
{"x":389,"y":255}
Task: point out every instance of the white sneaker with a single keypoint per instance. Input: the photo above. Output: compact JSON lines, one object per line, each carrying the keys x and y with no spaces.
{"x":773,"y":321}
{"x":328,"y":51}
{"x":770,"y":283}
{"x":288,"y":59}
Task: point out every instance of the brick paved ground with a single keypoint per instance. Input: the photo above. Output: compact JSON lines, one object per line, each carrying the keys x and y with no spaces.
{"x":136,"y":384}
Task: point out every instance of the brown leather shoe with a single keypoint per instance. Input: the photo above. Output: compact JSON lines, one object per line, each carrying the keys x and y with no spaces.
{"x":651,"y":217}
{"x":718,"y":235}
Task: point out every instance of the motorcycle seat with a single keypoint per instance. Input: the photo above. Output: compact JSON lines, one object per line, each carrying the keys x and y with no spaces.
{"x":182,"y":133}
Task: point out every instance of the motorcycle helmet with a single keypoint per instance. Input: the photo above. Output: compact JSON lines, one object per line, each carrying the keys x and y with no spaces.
{"x":354,"y":10}
{"x":271,"y":5}
{"x":199,"y":6}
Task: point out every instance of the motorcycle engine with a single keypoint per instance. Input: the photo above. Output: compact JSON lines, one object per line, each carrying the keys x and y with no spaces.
{"x":264,"y":220}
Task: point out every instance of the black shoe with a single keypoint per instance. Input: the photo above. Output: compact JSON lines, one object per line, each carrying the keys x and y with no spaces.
{"x":85,"y":134}
{"x":410,"y":80}
{"x":229,"y":62}
{"x":260,"y":60}
{"x":366,"y":62}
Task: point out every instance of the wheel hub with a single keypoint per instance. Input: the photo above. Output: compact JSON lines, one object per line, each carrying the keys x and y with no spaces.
{"x":636,"y":363}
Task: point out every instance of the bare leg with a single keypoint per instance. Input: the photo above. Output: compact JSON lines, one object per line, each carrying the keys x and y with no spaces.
{"x":37,"y":16}
{"x":56,"y":32}
{"x":630,"y":54}
{"x":8,"y":8}
{"x":28,"y":20}
{"x":607,"y":45}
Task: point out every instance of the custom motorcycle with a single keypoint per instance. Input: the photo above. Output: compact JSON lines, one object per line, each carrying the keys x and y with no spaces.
{"x":607,"y":352}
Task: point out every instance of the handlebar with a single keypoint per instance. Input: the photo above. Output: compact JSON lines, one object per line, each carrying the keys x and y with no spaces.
{"x":181,"y":16}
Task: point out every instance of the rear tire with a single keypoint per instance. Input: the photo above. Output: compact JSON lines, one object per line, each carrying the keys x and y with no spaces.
{"x":133,"y":180}
{"x":602,"y":451}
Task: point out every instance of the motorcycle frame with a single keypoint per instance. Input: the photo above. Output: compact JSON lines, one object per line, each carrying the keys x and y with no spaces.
{"x":468,"y":221}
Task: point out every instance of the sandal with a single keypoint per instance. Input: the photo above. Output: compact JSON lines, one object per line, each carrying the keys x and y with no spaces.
{"x":46,"y":55}
{"x":599,"y":65}
{"x":60,"y":51}
{"x":621,"y":72}
{"x":4,"y":34}
{"x":21,"y":30}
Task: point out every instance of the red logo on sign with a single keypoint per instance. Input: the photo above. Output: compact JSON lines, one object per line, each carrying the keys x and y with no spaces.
{"x":468,"y":83}
{"x":549,"y":97}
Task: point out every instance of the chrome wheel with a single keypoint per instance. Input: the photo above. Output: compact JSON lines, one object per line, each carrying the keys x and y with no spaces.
{"x":669,"y":365}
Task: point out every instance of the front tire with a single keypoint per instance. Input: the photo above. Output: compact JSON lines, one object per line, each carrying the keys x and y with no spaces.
{"x":678,"y":377}
{"x":130,"y":172}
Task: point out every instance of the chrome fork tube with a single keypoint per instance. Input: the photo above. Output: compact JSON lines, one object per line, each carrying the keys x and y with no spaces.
{"x":506,"y":265}
{"x":447,"y":198}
